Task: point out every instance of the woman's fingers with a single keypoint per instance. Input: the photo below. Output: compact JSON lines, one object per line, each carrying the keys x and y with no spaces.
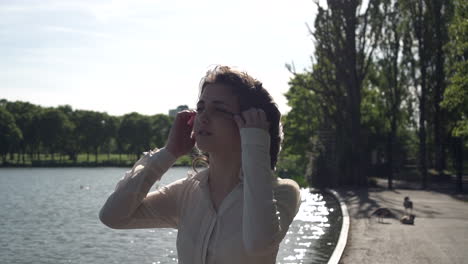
{"x":180,"y":141}
{"x":190,"y":122}
{"x":254,"y":117}
{"x":262,"y":115}
{"x":239,"y":121}
{"x":184,"y":116}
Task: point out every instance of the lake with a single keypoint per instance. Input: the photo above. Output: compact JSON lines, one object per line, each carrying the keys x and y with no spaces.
{"x":50,"y":215}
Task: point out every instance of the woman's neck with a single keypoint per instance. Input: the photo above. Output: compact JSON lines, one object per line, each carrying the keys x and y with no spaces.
{"x":224,"y":173}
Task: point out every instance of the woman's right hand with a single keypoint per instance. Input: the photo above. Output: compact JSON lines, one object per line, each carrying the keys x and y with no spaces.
{"x":180,"y":141}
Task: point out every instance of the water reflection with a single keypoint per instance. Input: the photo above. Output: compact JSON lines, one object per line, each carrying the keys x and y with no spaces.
{"x":45,"y":217}
{"x":314,"y":232}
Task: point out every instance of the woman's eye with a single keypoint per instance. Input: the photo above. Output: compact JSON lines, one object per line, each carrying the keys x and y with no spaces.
{"x":222,"y":111}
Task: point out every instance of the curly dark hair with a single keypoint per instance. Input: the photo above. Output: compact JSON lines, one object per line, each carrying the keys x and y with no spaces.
{"x":251,"y":93}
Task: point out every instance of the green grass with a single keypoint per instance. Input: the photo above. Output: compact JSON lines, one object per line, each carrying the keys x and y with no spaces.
{"x":82,"y":160}
{"x":301,"y":181}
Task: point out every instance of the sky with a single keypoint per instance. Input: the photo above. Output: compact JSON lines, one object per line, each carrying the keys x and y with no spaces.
{"x":145,"y":56}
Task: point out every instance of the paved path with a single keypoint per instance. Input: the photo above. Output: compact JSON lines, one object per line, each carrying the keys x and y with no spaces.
{"x":439,"y":235}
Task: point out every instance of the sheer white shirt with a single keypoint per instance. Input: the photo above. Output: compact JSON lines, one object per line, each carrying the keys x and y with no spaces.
{"x":248,"y":226}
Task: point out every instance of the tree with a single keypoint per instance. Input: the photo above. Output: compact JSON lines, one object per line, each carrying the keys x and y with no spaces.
{"x":299,"y":126}
{"x":24,"y":114}
{"x":134,"y":133}
{"x":416,"y":11}
{"x":10,"y":134}
{"x":346,"y":36}
{"x":54,"y":127}
{"x":456,"y":95}
{"x":160,"y":127}
{"x":91,"y":127}
{"x":441,"y":12}
{"x":110,"y":133}
{"x":391,"y":80}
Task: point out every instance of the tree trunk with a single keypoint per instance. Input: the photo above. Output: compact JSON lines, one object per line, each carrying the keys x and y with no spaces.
{"x":439,"y":127}
{"x":458,"y":161}
{"x":422,"y":130}
{"x":419,"y":24}
{"x":391,"y":150}
{"x":352,"y":85}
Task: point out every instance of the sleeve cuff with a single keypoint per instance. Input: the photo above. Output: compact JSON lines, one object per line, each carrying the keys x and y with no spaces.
{"x":255,"y":136}
{"x":162,"y":160}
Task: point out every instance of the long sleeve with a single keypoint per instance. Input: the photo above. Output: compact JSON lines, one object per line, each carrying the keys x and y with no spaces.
{"x":130,"y":205}
{"x":269,"y":205}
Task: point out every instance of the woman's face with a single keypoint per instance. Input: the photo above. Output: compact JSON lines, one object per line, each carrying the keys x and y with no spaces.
{"x":215,"y":129}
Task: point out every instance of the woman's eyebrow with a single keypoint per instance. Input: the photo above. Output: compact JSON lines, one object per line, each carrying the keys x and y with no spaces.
{"x":218,"y":102}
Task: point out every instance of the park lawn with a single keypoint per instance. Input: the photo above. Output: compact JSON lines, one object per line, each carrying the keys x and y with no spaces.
{"x":83,"y":160}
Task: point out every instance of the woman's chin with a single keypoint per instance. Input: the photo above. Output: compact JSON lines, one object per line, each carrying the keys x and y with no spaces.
{"x":203,"y":146}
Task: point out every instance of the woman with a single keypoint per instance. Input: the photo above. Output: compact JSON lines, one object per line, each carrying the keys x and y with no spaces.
{"x":236,"y":210}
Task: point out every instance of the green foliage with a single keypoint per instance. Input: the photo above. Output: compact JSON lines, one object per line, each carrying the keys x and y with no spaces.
{"x":91,"y":127}
{"x":301,"y":181}
{"x":26,"y":117}
{"x":185,"y":160}
{"x":299,"y":125}
{"x":375,"y":72}
{"x":160,"y":127}
{"x":30,"y":129}
{"x":302,"y":121}
{"x":54,"y":127}
{"x":134,"y":133}
{"x":346,"y":33}
{"x":456,"y":94}
{"x":374,"y":118}
{"x":291,"y":166}
{"x":10,"y":134}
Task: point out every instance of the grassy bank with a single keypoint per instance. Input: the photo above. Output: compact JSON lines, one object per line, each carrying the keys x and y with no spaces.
{"x":82,"y":160}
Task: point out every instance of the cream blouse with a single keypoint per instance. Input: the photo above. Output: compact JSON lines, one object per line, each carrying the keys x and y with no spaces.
{"x":248,"y":226}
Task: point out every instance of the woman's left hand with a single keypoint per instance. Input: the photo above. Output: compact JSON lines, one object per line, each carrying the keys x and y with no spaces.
{"x":252,"y":118}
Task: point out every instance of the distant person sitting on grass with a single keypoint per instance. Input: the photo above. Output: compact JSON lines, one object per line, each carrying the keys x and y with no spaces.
{"x":236,"y":210}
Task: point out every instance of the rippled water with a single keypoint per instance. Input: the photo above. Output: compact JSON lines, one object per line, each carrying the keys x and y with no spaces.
{"x":51,"y":216}
{"x":313,"y":234}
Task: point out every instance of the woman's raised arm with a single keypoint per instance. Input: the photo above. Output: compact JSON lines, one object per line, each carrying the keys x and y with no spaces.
{"x":269,"y":205}
{"x":130,"y":205}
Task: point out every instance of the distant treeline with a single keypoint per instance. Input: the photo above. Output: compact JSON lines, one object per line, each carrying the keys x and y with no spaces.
{"x":29,"y":130}
{"x":386,"y":95}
